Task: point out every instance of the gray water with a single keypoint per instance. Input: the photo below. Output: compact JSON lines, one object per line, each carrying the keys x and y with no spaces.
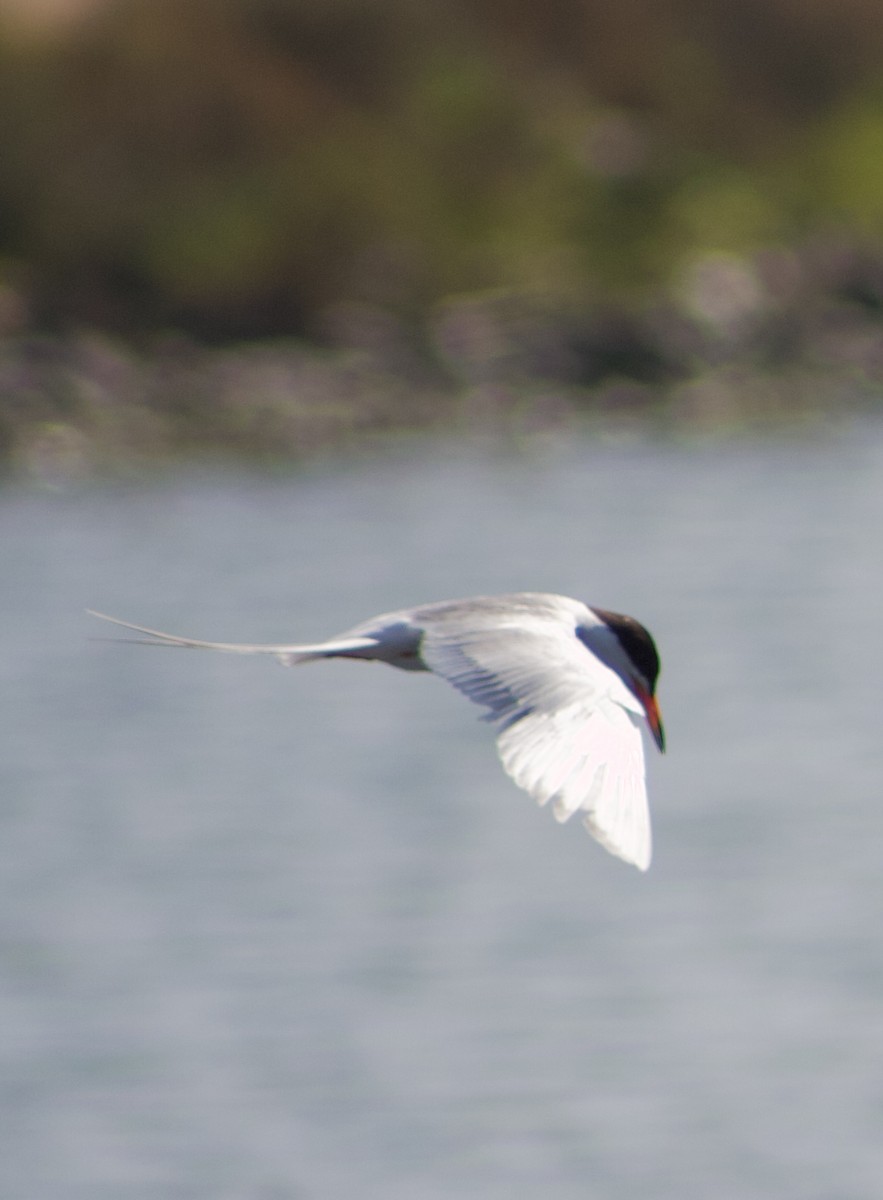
{"x":271,"y":934}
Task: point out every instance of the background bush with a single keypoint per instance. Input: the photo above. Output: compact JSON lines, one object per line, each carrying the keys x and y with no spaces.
{"x":234,"y":168}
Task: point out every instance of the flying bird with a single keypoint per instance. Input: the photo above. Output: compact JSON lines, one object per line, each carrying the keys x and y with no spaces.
{"x":567,"y":688}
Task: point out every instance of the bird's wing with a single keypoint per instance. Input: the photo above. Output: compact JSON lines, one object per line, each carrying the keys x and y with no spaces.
{"x":588,"y":760}
{"x":568,"y":729}
{"x":286,"y":653}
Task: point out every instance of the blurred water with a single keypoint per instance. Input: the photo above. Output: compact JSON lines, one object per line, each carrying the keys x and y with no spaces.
{"x":272,"y":934}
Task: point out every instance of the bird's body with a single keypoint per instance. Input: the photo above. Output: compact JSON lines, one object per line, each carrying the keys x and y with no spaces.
{"x":566,"y":687}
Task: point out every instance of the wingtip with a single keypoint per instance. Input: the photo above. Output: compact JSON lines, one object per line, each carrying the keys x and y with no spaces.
{"x":633,"y":847}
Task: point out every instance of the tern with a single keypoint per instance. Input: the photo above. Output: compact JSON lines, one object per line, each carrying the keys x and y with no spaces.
{"x":567,"y":688}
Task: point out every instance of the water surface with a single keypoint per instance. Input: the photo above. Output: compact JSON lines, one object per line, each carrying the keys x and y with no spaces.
{"x":273,"y":933}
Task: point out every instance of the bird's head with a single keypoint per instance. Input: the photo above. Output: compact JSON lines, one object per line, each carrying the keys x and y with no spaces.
{"x":636,"y":660}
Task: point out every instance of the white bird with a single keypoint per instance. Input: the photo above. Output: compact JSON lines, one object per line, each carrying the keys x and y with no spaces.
{"x":565,"y":685}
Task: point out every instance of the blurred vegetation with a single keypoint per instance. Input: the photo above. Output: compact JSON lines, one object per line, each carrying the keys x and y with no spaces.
{"x":347,"y":173}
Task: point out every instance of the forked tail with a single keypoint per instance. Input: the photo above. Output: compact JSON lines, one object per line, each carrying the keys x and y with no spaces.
{"x":288,"y":654}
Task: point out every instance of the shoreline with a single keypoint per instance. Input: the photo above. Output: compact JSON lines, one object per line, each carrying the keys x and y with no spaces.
{"x":493,"y":365}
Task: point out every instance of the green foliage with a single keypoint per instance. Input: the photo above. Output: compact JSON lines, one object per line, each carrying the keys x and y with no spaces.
{"x":242,"y":166}
{"x":846,"y":153}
